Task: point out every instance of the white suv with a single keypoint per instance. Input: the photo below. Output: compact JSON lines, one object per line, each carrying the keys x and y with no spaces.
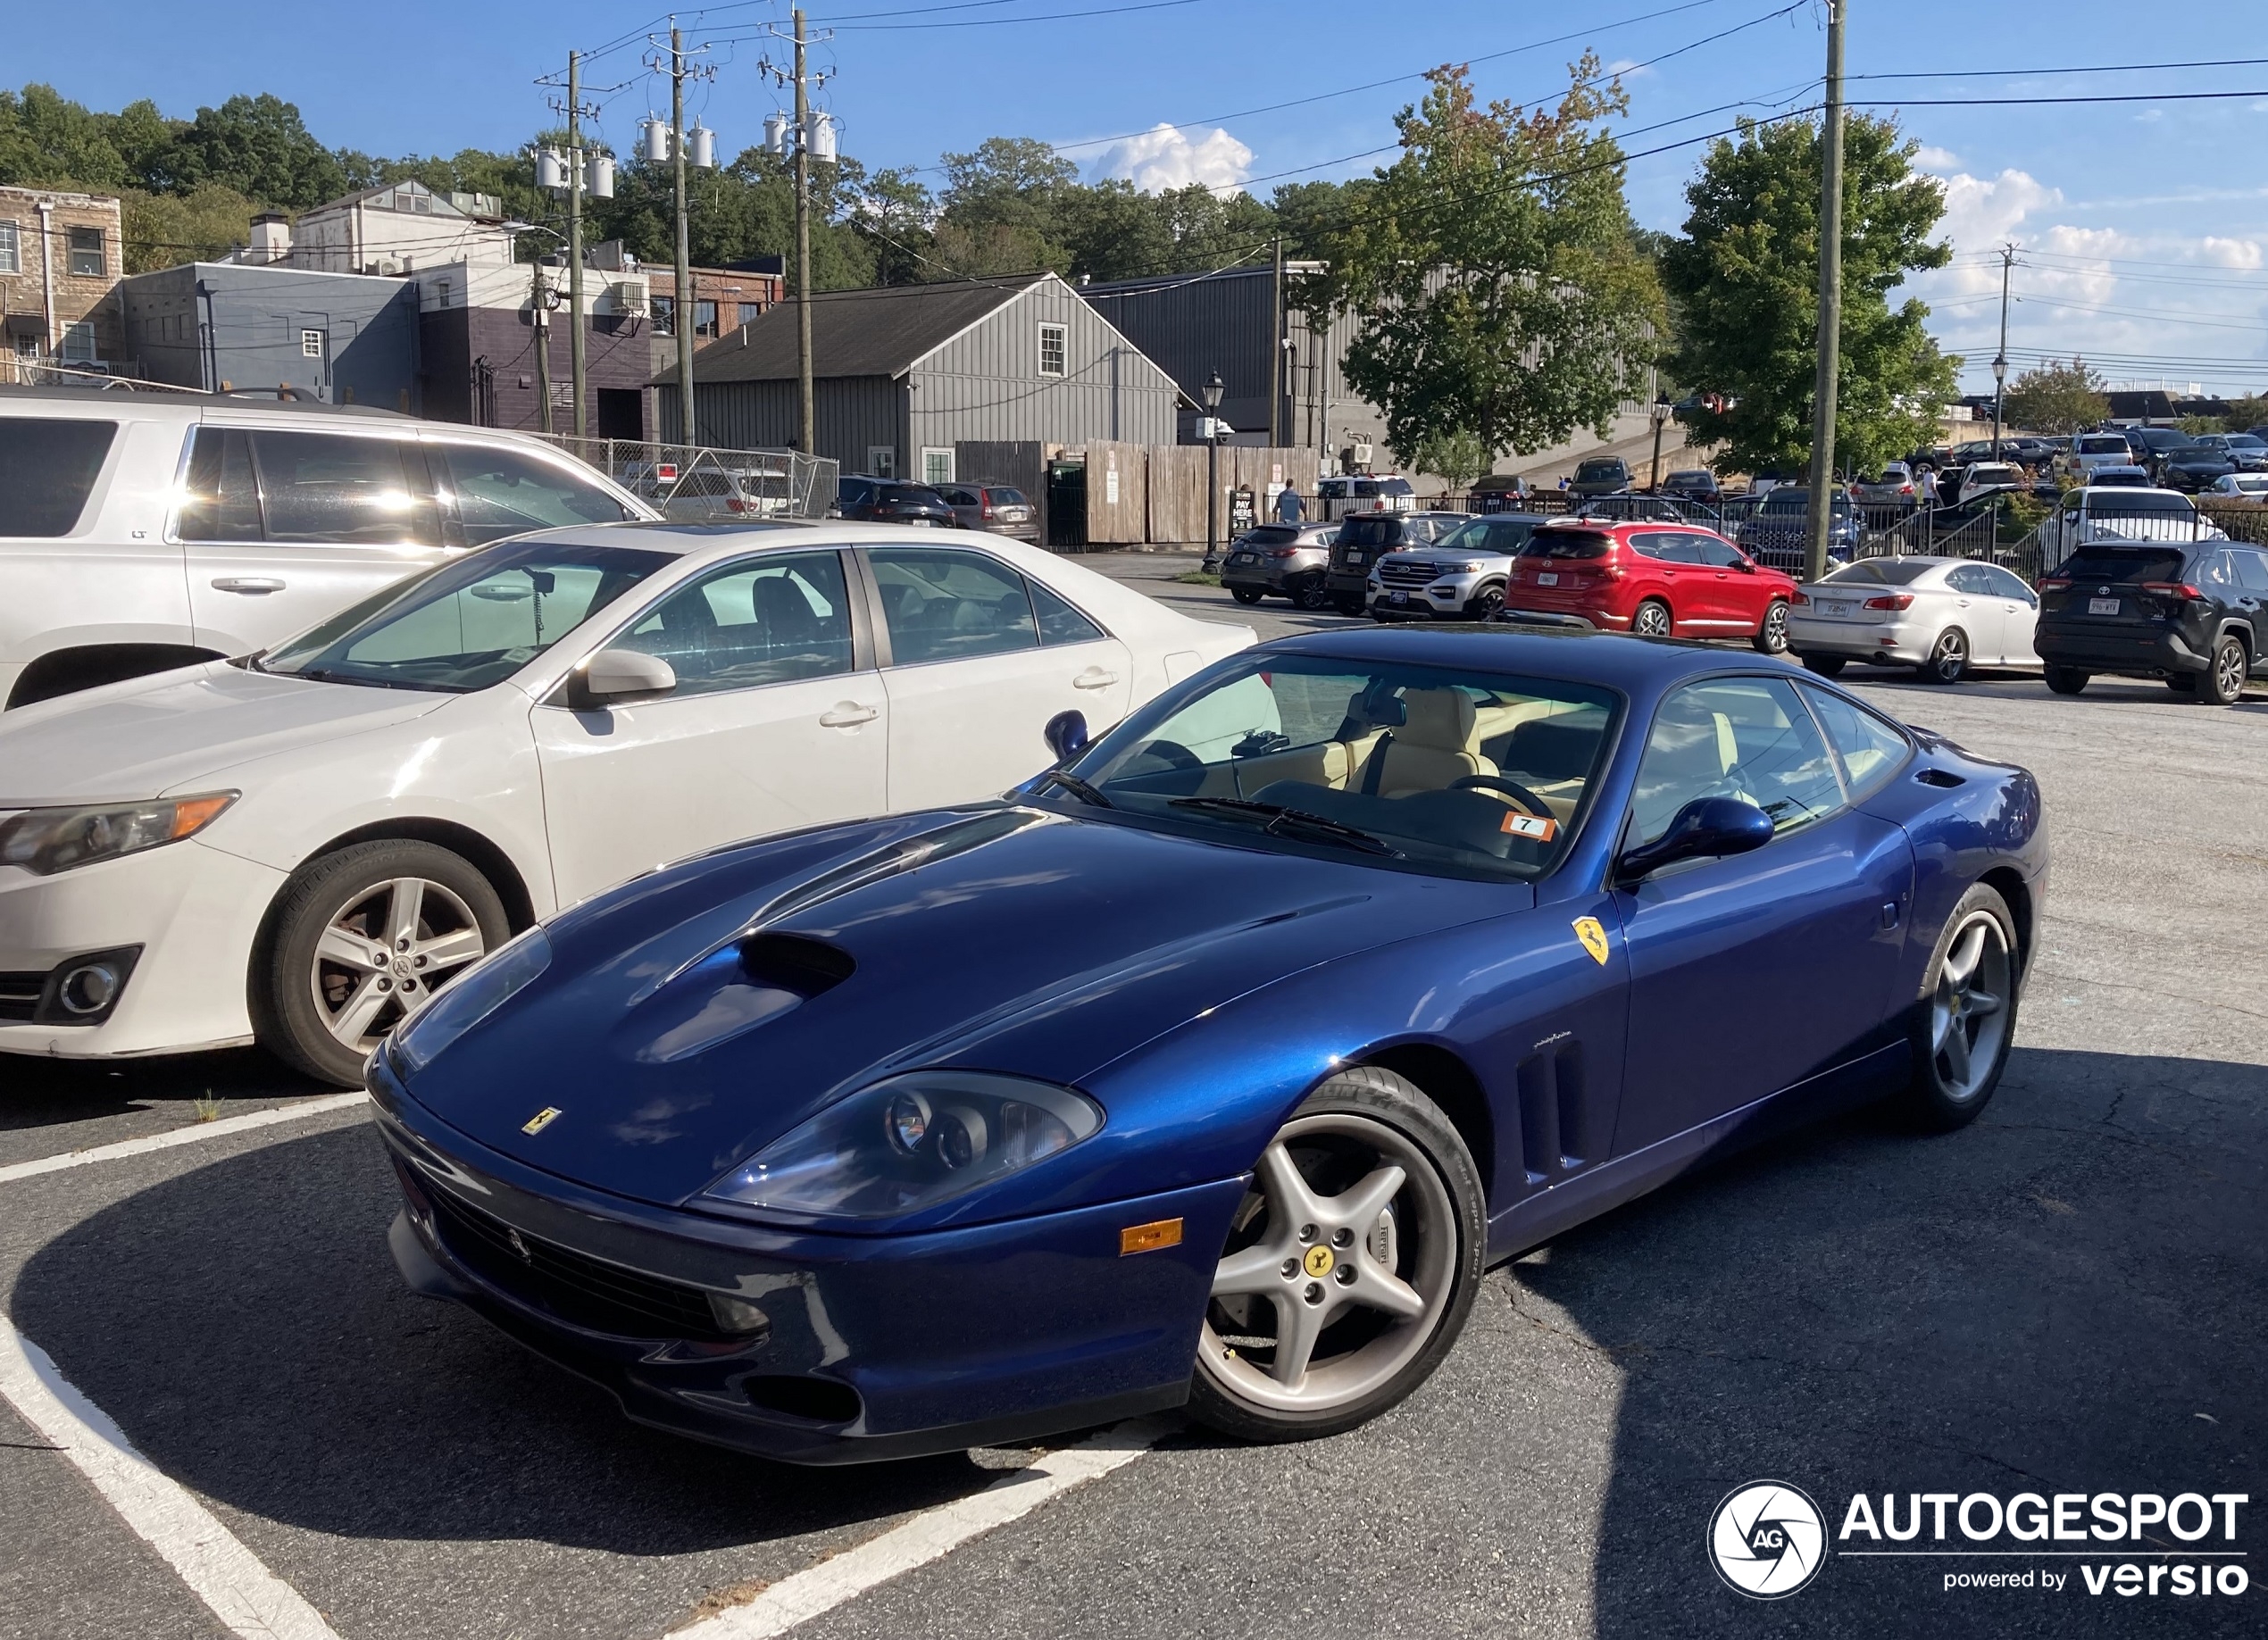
{"x":139,"y":533}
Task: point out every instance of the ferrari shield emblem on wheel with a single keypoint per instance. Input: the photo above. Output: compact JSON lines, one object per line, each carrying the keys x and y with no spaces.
{"x":1594,"y":938}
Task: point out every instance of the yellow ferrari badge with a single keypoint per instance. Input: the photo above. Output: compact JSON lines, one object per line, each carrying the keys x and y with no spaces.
{"x":1594,"y":938}
{"x":549,"y":1114}
{"x":1319,"y":1261}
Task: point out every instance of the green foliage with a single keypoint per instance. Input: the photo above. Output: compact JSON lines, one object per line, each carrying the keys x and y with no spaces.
{"x":257,"y":145}
{"x":163,"y":231}
{"x":2055,"y":397}
{"x":1495,"y":265}
{"x":1745,"y":279}
{"x":2203,"y":424}
{"x":1456,"y":458}
{"x":2248,"y":411}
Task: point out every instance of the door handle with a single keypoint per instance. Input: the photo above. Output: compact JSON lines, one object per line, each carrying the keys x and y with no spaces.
{"x":247,"y":583}
{"x":1093,"y":677}
{"x":847,"y":714}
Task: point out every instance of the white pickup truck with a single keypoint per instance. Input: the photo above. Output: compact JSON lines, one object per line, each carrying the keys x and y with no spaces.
{"x":141,"y":532}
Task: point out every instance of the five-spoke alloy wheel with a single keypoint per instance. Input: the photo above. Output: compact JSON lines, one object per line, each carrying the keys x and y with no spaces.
{"x":1966,"y":1015}
{"x":1350,"y":1265}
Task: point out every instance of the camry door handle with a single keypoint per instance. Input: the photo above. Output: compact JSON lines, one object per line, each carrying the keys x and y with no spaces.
{"x":1093,"y":677}
{"x":848,"y":714}
{"x":247,"y":583}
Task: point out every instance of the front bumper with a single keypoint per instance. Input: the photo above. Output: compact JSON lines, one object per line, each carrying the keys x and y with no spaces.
{"x":1444,"y":598}
{"x":2154,"y":653}
{"x":892,"y":1346}
{"x":193,"y":909}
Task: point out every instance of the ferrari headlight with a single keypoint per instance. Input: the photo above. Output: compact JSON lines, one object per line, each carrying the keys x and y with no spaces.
{"x":50,"y":840}
{"x":471,"y":997}
{"x":911,"y":1142}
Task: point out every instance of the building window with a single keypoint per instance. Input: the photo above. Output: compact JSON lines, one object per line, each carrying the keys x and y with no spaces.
{"x":1053,"y":348}
{"x":936,"y":466}
{"x":881,"y":461}
{"x":311,"y":344}
{"x":78,"y":343}
{"x":87,"y":252}
{"x":11,"y":249}
{"x":704,"y":319}
{"x":750,"y":312}
{"x":665,"y":315}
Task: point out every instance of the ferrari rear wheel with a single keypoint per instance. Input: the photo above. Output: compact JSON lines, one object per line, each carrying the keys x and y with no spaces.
{"x":1350,"y":1266}
{"x":1966,"y":1014}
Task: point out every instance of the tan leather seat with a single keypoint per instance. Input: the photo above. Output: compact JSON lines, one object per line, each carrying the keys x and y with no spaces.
{"x":1434,"y":750}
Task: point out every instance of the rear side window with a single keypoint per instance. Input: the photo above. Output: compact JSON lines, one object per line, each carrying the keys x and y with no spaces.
{"x":1059,"y":623}
{"x":2252,"y":570}
{"x":1565,"y":544}
{"x":1665,"y":547}
{"x":1869,"y":748}
{"x":47,"y":470}
{"x":505,"y":492}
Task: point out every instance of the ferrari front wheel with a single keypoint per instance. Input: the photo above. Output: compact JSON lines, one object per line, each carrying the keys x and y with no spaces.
{"x":1350,"y":1266}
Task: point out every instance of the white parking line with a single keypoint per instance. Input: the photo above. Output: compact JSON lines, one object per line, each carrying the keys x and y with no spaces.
{"x":930,"y":1536}
{"x":249,"y":1600}
{"x":195,"y":1135}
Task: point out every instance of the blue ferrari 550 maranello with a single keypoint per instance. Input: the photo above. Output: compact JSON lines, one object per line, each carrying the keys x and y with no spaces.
{"x":1215,"y":1064}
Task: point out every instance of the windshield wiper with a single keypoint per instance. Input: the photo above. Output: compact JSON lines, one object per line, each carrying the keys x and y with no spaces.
{"x":320,"y":675}
{"x":1273,"y":815}
{"x":1083,"y":790}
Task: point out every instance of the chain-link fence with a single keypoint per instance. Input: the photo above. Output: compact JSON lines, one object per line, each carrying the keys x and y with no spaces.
{"x":699,"y":483}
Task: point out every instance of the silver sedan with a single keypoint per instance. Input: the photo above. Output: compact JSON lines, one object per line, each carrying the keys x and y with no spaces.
{"x":1942,"y":615}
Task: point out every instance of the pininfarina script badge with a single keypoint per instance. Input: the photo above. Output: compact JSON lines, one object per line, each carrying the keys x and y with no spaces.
{"x":1594,"y":938}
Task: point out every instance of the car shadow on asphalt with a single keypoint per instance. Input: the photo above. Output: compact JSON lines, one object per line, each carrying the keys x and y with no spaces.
{"x":44,"y":1093}
{"x":2065,"y":1297}
{"x":245,"y":1325}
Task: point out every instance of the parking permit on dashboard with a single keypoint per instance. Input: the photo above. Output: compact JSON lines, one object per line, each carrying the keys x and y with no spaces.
{"x":1536,"y":828}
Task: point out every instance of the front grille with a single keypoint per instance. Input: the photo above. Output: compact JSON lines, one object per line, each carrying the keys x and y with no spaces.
{"x":20,"y":997}
{"x":577,"y":1288}
{"x":1419,"y":572}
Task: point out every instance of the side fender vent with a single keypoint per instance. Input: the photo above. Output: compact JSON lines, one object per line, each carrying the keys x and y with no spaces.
{"x":1945,"y":777}
{"x":792,"y":963}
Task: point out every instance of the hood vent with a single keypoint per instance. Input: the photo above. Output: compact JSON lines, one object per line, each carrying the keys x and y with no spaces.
{"x":791,"y":963}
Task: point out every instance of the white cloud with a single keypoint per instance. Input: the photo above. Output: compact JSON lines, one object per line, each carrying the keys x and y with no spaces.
{"x":1164,"y":157}
{"x":1980,"y":211}
{"x":1926,"y":158}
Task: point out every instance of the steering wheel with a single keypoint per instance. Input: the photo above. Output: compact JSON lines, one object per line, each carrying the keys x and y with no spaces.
{"x":1535,"y":807}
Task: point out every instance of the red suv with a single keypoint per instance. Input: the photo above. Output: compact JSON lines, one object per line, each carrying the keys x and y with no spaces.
{"x":1651,"y":579}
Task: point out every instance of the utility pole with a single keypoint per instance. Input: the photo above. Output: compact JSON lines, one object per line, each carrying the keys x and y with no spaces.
{"x":2000,"y":359}
{"x":808,"y":441}
{"x":575,"y":236}
{"x":682,"y":308}
{"x":1831,"y":302}
{"x":1276,"y":387}
{"x":539,"y":315}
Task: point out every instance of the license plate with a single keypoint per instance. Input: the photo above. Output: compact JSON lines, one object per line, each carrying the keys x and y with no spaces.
{"x":1547,"y":579}
{"x":1399,"y":597}
{"x":2102,"y":606}
{"x":1834,"y":609}
{"x":1354,"y":558}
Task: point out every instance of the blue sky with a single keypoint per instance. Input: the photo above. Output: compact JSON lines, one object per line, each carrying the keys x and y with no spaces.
{"x":2146,"y":224}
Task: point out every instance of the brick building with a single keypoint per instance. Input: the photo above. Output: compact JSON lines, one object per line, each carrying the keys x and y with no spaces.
{"x":60,"y":258}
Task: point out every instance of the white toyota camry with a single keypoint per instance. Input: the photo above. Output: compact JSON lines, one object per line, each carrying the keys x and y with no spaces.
{"x":298,"y":846}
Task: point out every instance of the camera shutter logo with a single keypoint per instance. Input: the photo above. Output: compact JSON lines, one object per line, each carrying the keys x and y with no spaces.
{"x":1767,"y":1539}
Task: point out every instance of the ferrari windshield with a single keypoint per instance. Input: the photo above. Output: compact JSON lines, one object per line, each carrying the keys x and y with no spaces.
{"x":1457,"y":772}
{"x":467,"y":624}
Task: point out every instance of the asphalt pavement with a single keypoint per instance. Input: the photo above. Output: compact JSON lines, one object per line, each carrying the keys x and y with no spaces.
{"x":2065,"y":1297}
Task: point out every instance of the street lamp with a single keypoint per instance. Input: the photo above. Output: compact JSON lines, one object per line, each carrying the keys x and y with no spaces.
{"x":1213,"y":388}
{"x":1661,"y":408}
{"x":1999,"y":386}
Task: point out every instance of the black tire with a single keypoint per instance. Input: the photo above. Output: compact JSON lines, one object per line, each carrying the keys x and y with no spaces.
{"x":1348,"y":603}
{"x":1932,"y":1099}
{"x":1247,"y":595}
{"x":2067,"y":680}
{"x":1826,"y":666}
{"x":1772,"y":636}
{"x":2222,"y":682}
{"x":1311,"y":594}
{"x":1366,"y":1095}
{"x":286,"y":1015}
{"x":1948,"y":660}
{"x":1652,"y":619}
{"x":1484,"y":604}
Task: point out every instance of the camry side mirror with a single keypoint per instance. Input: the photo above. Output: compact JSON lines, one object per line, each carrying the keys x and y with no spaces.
{"x":1066,"y":735}
{"x":615,"y":677}
{"x":1706,"y":828}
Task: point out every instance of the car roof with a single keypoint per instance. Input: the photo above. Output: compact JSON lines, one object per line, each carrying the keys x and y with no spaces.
{"x":1632,"y":665}
{"x":722,"y":540}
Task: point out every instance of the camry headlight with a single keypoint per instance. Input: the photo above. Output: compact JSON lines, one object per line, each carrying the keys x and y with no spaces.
{"x":910,"y":1142}
{"x":471,"y":997}
{"x":51,"y":840}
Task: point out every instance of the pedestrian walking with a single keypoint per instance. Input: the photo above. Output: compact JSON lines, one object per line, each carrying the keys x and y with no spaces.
{"x":1926,"y":485}
{"x":1288,"y":507}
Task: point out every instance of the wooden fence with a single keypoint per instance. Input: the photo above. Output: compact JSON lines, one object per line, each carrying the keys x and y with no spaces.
{"x":1139,"y":494}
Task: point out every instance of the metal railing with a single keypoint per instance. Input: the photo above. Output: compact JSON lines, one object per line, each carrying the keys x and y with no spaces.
{"x":701,"y":482}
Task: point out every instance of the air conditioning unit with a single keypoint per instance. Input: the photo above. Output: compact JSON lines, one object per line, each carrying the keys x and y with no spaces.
{"x":629,"y":297}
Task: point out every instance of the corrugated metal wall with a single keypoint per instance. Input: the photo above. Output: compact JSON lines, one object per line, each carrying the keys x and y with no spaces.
{"x":1195,"y":327}
{"x":986,"y":383}
{"x":856,"y":412}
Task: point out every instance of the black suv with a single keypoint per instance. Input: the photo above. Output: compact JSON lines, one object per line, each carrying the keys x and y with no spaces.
{"x":891,"y":500}
{"x":2192,"y":612}
{"x":1365,"y":537}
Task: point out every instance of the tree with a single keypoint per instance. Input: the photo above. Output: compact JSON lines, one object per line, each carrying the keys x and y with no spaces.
{"x":164,"y":230}
{"x":259,"y":146}
{"x":1455,"y":458}
{"x":46,"y":140}
{"x":1745,"y":280}
{"x":2248,"y":411}
{"x":2057,"y":398}
{"x":1493,"y":265}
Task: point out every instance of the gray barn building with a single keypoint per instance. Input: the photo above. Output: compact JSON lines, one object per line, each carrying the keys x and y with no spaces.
{"x":346,"y":337}
{"x":904,"y":374}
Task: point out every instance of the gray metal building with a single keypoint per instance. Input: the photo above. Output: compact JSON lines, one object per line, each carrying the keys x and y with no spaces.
{"x":346,"y":337}
{"x":904,"y":374}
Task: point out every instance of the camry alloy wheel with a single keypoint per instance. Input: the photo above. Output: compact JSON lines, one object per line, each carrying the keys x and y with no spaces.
{"x":1969,"y":1009}
{"x":385,"y":951}
{"x":1340,"y":1265}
